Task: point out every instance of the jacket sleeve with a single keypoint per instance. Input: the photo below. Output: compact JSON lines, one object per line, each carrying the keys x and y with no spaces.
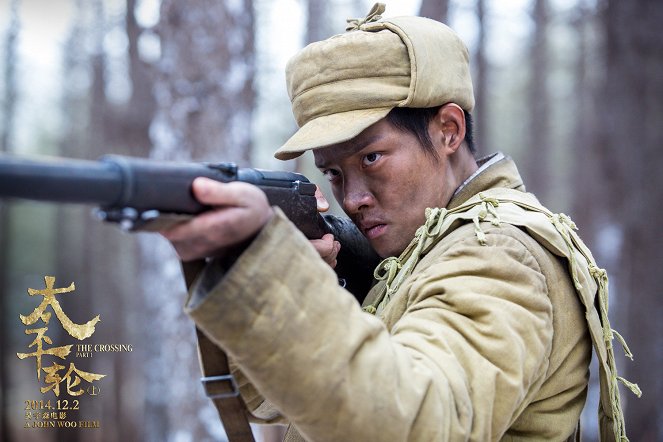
{"x":337,"y":373}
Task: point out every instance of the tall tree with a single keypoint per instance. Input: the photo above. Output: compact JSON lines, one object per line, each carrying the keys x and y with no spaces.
{"x":435,"y":9}
{"x":317,"y":21}
{"x":205,"y":97}
{"x":139,"y":111}
{"x":536,"y":166}
{"x":588,"y":202}
{"x":102,"y":258}
{"x":106,"y":267}
{"x":631,"y":111}
{"x":6,"y":139}
{"x":586,"y":177}
{"x":481,"y":70}
{"x":9,"y":100}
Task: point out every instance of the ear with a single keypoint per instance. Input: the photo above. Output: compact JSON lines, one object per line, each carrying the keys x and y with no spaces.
{"x":447,"y":128}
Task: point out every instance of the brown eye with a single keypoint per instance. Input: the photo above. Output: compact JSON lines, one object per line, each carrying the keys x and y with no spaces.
{"x":371,"y":158}
{"x":331,"y":174}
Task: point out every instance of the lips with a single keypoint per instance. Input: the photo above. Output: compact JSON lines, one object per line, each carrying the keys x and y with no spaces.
{"x":372,"y":228}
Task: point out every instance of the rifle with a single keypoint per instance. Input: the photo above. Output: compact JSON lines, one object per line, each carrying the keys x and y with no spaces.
{"x":147,"y":195}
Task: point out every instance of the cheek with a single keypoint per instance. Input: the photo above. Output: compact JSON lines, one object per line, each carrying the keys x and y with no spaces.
{"x":408,"y":189}
{"x":413,"y":192}
{"x":337,"y":191}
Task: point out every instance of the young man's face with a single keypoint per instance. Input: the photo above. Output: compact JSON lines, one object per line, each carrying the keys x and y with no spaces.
{"x":384,"y":180}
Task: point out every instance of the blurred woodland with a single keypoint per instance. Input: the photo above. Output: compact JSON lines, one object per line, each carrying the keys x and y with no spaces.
{"x":576,"y":97}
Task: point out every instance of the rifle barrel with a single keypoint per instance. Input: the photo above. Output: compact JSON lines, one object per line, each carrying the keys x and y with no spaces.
{"x":139,"y":183}
{"x":73,"y":181}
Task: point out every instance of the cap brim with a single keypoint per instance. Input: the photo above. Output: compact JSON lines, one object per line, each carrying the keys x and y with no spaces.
{"x":330,"y":129}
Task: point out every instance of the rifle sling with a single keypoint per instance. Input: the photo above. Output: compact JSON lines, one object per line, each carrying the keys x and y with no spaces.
{"x":221,"y":388}
{"x":218,"y":382}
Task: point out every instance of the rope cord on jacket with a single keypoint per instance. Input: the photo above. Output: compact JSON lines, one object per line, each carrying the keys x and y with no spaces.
{"x":395,"y":270}
{"x":565,"y":227}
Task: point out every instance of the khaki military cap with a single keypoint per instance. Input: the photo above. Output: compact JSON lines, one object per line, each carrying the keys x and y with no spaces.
{"x":340,"y":86}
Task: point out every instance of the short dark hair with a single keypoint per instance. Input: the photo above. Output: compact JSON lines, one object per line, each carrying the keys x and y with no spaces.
{"x":416,"y":120}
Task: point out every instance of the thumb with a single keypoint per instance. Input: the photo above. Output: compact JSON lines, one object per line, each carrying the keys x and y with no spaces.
{"x":323,"y":204}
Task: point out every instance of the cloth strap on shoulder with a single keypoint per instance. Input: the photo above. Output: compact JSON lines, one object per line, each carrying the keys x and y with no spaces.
{"x":555,"y":232}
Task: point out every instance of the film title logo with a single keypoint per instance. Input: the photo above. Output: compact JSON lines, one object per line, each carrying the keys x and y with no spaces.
{"x":62,"y":376}
{"x":73,"y":377}
{"x":87,"y":350}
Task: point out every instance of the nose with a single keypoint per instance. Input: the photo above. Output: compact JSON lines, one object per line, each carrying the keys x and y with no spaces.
{"x":355,"y":197}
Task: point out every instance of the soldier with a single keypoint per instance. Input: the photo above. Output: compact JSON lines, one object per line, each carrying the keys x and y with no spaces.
{"x":481,"y":323}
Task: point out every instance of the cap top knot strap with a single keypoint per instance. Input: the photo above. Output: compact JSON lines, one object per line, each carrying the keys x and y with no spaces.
{"x":375,"y":14}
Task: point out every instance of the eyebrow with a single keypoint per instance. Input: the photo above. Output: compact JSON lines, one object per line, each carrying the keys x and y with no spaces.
{"x":353,"y":148}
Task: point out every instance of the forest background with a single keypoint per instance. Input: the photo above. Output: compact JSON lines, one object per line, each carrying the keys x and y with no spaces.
{"x":572,"y":89}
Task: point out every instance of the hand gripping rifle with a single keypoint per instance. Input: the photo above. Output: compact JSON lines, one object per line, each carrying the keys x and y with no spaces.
{"x":141,"y":194}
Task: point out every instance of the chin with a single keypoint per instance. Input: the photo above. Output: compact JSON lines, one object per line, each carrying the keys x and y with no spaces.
{"x":382,"y":253}
{"x":387,"y":245}
{"x":387,"y":251}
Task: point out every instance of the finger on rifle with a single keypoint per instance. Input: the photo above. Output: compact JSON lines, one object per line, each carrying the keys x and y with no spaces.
{"x":323,"y":204}
{"x":209,"y":233}
{"x":327,"y":248}
{"x":215,"y":193}
{"x":325,"y":245}
{"x":240,"y":210}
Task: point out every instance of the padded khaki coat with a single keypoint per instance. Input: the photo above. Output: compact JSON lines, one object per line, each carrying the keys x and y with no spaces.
{"x":481,"y":342}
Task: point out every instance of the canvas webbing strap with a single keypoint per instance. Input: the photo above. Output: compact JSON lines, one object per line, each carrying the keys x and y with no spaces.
{"x":221,"y":388}
{"x":218,"y":382}
{"x":555,"y":232}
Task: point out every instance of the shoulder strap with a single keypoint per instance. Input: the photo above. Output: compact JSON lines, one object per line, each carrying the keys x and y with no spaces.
{"x":555,"y":232}
{"x":221,"y":388}
{"x":219,"y":383}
